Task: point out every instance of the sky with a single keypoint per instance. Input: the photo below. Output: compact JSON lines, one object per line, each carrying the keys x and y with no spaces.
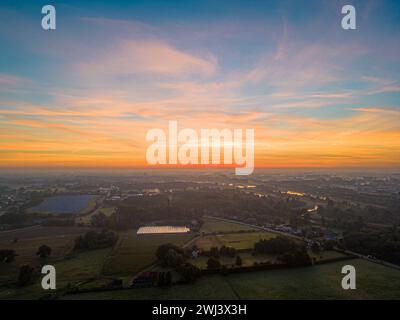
{"x":85,"y":94}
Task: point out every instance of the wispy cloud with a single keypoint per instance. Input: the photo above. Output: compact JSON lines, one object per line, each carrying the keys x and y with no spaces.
{"x":147,"y":57}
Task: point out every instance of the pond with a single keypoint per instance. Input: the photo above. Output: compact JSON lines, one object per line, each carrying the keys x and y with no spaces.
{"x":67,"y":204}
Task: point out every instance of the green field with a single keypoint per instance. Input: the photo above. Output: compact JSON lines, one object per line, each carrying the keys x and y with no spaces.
{"x":26,"y":250}
{"x":212,"y":225}
{"x":70,"y":268}
{"x":107,"y":211}
{"x":134,"y":252}
{"x":83,"y":266}
{"x":318,"y":282}
{"x":245,"y":240}
{"x":325,"y":255}
{"x":75,"y":270}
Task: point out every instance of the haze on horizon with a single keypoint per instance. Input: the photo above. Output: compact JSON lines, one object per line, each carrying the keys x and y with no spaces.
{"x":84,"y":95}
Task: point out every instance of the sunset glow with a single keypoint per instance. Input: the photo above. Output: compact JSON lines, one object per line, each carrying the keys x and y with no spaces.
{"x":85,"y":94}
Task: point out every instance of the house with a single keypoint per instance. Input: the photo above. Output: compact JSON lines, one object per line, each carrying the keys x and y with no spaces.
{"x":195,"y":253}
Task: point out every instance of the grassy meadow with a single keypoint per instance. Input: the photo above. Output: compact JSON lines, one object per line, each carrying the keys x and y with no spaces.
{"x":374,"y":281}
{"x":132,"y":253}
{"x":212,"y":225}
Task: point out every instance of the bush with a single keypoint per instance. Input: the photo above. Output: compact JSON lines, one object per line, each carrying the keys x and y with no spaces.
{"x":213,"y":263}
{"x":25,"y":275}
{"x":276,"y":245}
{"x":43,"y":251}
{"x":7,"y":255}
{"x":297,"y":258}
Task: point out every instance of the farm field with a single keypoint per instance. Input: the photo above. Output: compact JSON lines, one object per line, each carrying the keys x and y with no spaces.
{"x":325,"y":255}
{"x":26,"y":254}
{"x":374,"y":281}
{"x":39,"y":232}
{"x":134,"y":252}
{"x":70,"y":268}
{"x":131,"y":254}
{"x":84,"y":267}
{"x":212,"y":225}
{"x":242,"y":240}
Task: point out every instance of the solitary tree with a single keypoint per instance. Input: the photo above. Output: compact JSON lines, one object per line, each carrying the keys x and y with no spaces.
{"x":238,"y":261}
{"x":43,"y":251}
{"x":25,"y":275}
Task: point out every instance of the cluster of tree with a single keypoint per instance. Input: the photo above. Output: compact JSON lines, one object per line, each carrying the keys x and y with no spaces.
{"x":299,"y":257}
{"x":95,"y":240}
{"x":353,"y":217}
{"x":289,"y":252}
{"x":299,"y":218}
{"x":43,"y":251}
{"x":213,"y":263}
{"x":222,"y":251}
{"x":7,"y":255}
{"x":278,"y":245}
{"x":383,"y":245}
{"x":189,"y":205}
{"x":189,"y":272}
{"x":170,"y":255}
